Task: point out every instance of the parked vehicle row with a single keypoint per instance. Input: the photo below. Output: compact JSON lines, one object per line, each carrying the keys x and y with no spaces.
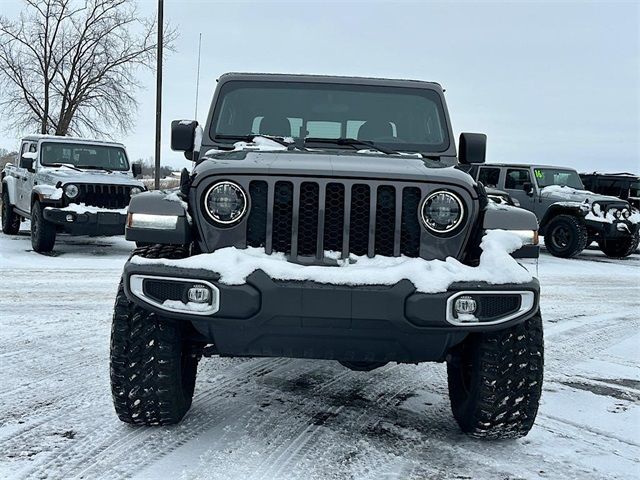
{"x":570,"y":217}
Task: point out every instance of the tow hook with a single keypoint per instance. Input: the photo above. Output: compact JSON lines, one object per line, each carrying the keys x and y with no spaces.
{"x":622,"y":227}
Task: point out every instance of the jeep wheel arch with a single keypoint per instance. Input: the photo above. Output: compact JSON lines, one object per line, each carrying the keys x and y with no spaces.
{"x":555,"y":210}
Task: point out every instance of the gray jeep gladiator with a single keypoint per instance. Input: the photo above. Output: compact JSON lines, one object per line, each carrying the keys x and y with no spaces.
{"x":571,"y":218}
{"x":68,"y":185}
{"x":328,"y":218}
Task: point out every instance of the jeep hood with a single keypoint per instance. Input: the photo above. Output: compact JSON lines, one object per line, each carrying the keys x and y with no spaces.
{"x":64,"y":175}
{"x":333,"y":164}
{"x":568,"y":194}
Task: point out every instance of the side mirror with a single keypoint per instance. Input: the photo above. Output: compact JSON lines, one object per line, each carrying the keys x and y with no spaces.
{"x":473,"y":148}
{"x":136,"y":169}
{"x":27,"y":162}
{"x":528,"y":188}
{"x":182,"y":136}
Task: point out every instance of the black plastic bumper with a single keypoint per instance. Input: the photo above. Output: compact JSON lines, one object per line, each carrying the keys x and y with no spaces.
{"x":612,"y":230}
{"x":308,"y":320}
{"x":92,"y":224}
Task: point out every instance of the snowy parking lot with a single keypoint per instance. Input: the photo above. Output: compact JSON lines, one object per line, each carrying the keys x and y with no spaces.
{"x":281,"y":418}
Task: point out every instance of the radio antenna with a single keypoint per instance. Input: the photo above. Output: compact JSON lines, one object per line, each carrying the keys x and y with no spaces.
{"x":198,"y":76}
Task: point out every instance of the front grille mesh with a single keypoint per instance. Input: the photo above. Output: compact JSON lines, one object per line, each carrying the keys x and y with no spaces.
{"x":104,"y":196}
{"x":493,"y":306}
{"x":312,"y":217}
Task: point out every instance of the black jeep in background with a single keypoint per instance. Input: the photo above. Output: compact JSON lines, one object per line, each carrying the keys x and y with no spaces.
{"x":625,"y":186}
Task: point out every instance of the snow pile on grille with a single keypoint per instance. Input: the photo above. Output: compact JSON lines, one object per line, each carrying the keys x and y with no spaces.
{"x":429,"y":276}
{"x":83,"y":208}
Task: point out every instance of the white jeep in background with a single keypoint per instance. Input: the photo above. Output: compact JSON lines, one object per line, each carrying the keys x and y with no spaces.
{"x":72,"y":185}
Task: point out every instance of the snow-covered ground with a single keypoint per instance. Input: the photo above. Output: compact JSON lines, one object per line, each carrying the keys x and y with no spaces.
{"x":280,"y":418}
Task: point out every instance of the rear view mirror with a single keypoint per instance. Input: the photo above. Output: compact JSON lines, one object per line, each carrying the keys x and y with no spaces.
{"x":26,"y":162}
{"x":182,"y":136}
{"x":473,"y":148}
{"x":136,"y":169}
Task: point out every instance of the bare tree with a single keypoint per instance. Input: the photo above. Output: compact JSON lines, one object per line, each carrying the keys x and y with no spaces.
{"x":70,"y":66}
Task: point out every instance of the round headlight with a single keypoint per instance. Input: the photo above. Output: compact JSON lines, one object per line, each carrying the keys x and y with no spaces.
{"x":442,"y":211}
{"x":616,"y":213}
{"x":71,"y":190}
{"x":626,"y":213}
{"x":135,"y":191}
{"x":226,"y":202}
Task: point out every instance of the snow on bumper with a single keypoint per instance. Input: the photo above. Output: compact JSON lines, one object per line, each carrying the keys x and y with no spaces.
{"x":250,"y":285}
{"x":81,"y":219}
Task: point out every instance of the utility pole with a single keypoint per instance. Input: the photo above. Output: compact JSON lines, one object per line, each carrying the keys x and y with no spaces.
{"x":159,"y":91}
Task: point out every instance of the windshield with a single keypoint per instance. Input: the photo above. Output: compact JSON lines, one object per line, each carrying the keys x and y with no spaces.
{"x":400,"y":118}
{"x":556,"y":176}
{"x":84,"y":156}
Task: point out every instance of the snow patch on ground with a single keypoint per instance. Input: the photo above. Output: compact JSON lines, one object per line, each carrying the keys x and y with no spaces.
{"x":429,"y":276}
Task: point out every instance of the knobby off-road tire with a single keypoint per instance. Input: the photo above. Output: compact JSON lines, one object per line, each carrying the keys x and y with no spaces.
{"x":565,"y":236}
{"x":10,"y":219}
{"x":43,"y":233}
{"x":153,"y":366}
{"x":495,"y":381}
{"x":620,"y":247}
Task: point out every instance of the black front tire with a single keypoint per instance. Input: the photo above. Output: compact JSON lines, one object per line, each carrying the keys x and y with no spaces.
{"x":565,"y":236}
{"x":43,"y":233}
{"x":620,"y":247}
{"x":153,"y":365}
{"x":10,"y":219}
{"x":495,"y":381}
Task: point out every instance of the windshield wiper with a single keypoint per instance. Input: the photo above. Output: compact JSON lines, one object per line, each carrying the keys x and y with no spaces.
{"x":351,"y":142}
{"x":73,"y":167}
{"x":251,"y":138}
{"x":94,"y":167}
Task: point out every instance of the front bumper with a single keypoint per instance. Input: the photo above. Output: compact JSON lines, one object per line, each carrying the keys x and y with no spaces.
{"x":617,"y":229}
{"x":264,"y":317}
{"x":92,"y":224}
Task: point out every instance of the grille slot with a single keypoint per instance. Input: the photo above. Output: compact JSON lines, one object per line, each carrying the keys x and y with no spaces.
{"x":334,"y":217}
{"x":104,"y":196}
{"x":282,"y":217}
{"x":308,"y":218}
{"x":257,"y":223}
{"x":385,"y":220}
{"x":409,"y":227}
{"x":162,"y":290}
{"x":359,"y":221}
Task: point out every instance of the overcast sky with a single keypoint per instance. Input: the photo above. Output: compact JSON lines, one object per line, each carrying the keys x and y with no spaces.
{"x":552,"y":82}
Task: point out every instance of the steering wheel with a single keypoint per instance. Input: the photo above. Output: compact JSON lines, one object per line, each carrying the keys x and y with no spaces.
{"x":389,"y":140}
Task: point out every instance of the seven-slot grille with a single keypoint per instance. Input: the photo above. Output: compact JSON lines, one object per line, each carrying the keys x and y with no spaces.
{"x":305,"y":219}
{"x":104,"y":196}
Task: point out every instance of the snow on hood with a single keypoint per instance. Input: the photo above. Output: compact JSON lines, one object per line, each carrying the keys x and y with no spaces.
{"x":260,"y":144}
{"x":68,"y":175}
{"x":572,"y":194}
{"x":234,"y":265}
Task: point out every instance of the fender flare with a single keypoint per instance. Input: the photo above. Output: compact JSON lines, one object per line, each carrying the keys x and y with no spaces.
{"x":10,"y":184}
{"x":159,"y":204}
{"x":567,"y":208}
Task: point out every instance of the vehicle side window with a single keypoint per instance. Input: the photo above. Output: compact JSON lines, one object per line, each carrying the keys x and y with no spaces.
{"x":489,"y":176}
{"x":516,"y":178}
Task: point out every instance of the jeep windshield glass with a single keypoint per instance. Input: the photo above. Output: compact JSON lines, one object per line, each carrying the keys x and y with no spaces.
{"x":396,"y":118}
{"x":556,"y":176}
{"x":94,"y":157}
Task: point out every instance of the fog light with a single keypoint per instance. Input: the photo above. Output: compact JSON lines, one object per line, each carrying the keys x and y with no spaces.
{"x":69,"y":218}
{"x":199,"y":294}
{"x":465,"y":305}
